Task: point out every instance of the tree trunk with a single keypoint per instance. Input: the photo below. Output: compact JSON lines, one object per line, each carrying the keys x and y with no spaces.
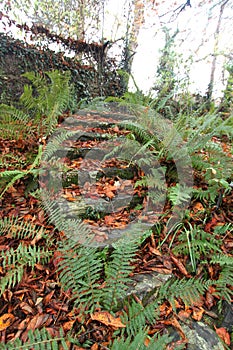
{"x":216,"y":44}
{"x":132,"y":32}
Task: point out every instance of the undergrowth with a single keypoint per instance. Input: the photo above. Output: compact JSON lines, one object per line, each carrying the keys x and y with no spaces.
{"x":101,"y":281}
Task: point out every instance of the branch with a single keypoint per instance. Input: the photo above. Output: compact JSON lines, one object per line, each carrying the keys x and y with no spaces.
{"x":177,"y":11}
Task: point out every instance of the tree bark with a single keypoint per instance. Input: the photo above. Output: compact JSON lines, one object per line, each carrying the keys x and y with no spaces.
{"x":216,"y":44}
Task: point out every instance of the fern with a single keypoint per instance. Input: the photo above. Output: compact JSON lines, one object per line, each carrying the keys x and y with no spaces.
{"x":14,"y":124}
{"x":14,"y":261}
{"x":179,"y":194}
{"x":138,"y":342}
{"x":20,"y":258}
{"x":11,"y":113}
{"x":52,"y":97}
{"x":224,"y":284}
{"x":20,"y":229}
{"x":201,"y":242}
{"x":38,"y":340}
{"x":117,"y":272}
{"x":55,"y":143}
{"x":142,"y":134}
{"x":188,"y":290}
{"x":80,"y":269}
{"x":138,"y":316}
{"x":17,"y":260}
{"x":9,"y":177}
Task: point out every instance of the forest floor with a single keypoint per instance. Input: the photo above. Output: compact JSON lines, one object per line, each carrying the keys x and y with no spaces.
{"x":39,"y":301}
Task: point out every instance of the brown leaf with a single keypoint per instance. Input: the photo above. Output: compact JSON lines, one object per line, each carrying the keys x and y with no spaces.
{"x":210,"y":225}
{"x":224,"y":335}
{"x":27,"y":309}
{"x":95,"y":346}
{"x":184,"y":315}
{"x":6,"y":320}
{"x":155,"y":251}
{"x":107,"y":319}
{"x":198,"y":313}
{"x":67,"y":326}
{"x":38,"y":236}
{"x":173,"y":322}
{"x":48,"y":297}
{"x":180,"y":266}
{"x":37,"y":321}
{"x":109,"y":194}
{"x":109,"y":219}
{"x":209,"y":300}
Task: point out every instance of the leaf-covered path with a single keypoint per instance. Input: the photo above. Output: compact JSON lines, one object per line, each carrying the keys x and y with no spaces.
{"x":38,"y":300}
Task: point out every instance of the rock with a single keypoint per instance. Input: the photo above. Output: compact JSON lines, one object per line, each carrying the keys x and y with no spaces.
{"x":201,"y":337}
{"x":227,"y":321}
{"x":145,"y":286}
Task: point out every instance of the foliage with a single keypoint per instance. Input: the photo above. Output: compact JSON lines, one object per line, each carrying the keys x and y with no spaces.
{"x":70,"y":18}
{"x":138,"y":342}
{"x":15,"y":260}
{"x":102,"y":279}
{"x":9,"y":177}
{"x":38,"y":339}
{"x":51,"y":98}
{"x":14,"y":123}
{"x":188,"y":290}
{"x":17,"y":57}
{"x":166,"y":69}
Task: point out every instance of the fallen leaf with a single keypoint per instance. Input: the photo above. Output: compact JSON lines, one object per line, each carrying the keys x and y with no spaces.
{"x":107,"y":319}
{"x":6,"y":320}
{"x":109,"y":194}
{"x":109,"y":220}
{"x":198,"y":313}
{"x":38,"y":236}
{"x":209,"y":300}
{"x":210,"y":225}
{"x":224,"y":335}
{"x":67,"y":326}
{"x":155,"y":251}
{"x":95,"y":346}
{"x":174,"y":322}
{"x":180,"y":266}
{"x":37,"y":321}
{"x":147,"y":342}
{"x":184,"y":315}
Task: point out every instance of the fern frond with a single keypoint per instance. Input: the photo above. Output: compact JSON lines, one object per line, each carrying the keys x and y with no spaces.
{"x":55,"y":143}
{"x":179,"y":194}
{"x":138,"y":317}
{"x":25,"y":255}
{"x":138,"y":342}
{"x":15,"y":260}
{"x":155,"y":180}
{"x":52,"y":97}
{"x":38,"y":340}
{"x":13,"y":277}
{"x":20,"y":229}
{"x":224,"y":284}
{"x":201,"y":242}
{"x":222,"y":230}
{"x":11,"y":176}
{"x":80,"y":270}
{"x":117,"y":271}
{"x":141,"y":133}
{"x":188,"y":290}
{"x":11,"y":113}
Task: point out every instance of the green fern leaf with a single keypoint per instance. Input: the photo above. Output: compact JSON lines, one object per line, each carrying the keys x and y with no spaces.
{"x":117,"y":272}
{"x":37,"y":340}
